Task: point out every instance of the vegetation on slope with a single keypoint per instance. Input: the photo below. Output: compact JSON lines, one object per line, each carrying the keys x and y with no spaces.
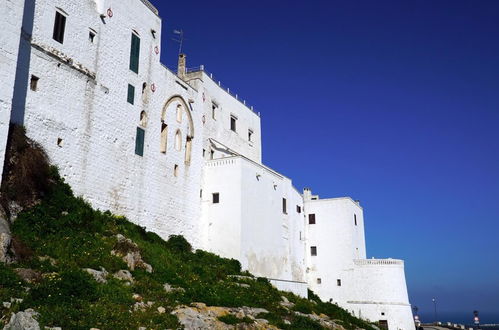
{"x":62,"y":235}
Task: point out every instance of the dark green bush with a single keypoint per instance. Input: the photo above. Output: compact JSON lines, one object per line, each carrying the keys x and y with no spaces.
{"x":178,"y":243}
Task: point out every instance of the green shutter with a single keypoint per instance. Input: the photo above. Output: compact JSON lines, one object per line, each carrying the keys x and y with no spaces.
{"x":139,"y":142}
{"x":131,"y":94}
{"x":135,"y":53}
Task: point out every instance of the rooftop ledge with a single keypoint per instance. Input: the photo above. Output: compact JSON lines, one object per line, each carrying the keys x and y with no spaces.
{"x":150,"y":6}
{"x":377,"y":262}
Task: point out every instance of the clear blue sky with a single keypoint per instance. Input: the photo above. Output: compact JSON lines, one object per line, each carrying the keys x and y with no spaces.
{"x":395,"y":103}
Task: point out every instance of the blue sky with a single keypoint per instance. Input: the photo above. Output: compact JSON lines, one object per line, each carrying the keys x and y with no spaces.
{"x":395,"y":103}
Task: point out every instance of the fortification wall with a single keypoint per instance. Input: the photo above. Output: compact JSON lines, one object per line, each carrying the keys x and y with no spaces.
{"x":249,"y":222}
{"x":80,"y":113}
{"x":337,"y":236}
{"x":380,"y":292}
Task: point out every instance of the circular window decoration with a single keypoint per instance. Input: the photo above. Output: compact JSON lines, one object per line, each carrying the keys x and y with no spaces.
{"x":156,"y":50}
{"x":110,"y":13}
{"x":153,"y":87}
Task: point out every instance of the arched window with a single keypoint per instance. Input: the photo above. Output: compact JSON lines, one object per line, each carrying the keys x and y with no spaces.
{"x":188,"y":150}
{"x":178,"y":140}
{"x":164,"y":137}
{"x":179,"y":113}
{"x":143,"y":119}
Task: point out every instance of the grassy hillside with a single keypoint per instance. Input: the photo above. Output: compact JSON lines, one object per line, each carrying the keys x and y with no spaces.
{"x":61,"y":236}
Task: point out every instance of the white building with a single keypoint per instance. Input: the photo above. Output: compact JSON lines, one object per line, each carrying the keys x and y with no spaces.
{"x":176,"y":153}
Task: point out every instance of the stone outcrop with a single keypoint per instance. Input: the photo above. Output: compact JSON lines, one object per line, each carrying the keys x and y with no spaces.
{"x":23,"y":321}
{"x":5,"y":239}
{"x":98,"y":275}
{"x":200,"y":316}
{"x":130,"y":253}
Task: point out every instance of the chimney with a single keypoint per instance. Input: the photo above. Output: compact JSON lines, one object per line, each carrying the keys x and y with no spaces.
{"x":307,"y":194}
{"x":181,"y":69}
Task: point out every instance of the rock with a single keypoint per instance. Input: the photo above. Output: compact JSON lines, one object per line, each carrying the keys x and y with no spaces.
{"x":130,"y":253}
{"x":16,"y":300}
{"x":161,"y":310}
{"x":140,"y":306}
{"x":29,"y":275}
{"x":99,"y":276}
{"x":199,"y":305}
{"x":243,"y":285}
{"x":6,"y":304}
{"x":5,"y":238}
{"x":136,"y":297}
{"x":170,"y":289}
{"x":284,"y":299}
{"x":53,"y":328}
{"x":123,"y":275}
{"x":51,"y":260}
{"x":23,"y":321}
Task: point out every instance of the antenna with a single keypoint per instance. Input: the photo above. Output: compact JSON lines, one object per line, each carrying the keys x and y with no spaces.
{"x":179,"y":38}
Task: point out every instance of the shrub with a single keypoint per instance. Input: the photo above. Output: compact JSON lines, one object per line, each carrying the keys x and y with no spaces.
{"x":232,"y":319}
{"x":178,"y":243}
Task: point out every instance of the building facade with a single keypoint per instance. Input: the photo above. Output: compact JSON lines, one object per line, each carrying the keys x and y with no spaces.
{"x":177,"y":153}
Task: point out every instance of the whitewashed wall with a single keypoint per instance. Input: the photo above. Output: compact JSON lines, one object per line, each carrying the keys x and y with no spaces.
{"x":97,"y":125}
{"x":380,"y":293}
{"x":338,"y":241}
{"x":249,"y":224}
{"x":218,"y":128}
{"x":10,"y":25}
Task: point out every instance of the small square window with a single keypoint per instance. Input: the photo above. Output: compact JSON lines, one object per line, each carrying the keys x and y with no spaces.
{"x":33,"y":84}
{"x":233,"y":121}
{"x":250,"y":135}
{"x":319,"y":281}
{"x":298,"y":209}
{"x":216,"y":198}
{"x":313,"y":250}
{"x":338,"y":282}
{"x":311,"y":219}
{"x":175,"y":170}
{"x":284,"y":206}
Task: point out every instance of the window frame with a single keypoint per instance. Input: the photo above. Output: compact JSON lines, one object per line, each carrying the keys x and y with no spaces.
{"x":215,"y":198}
{"x":233,"y":123}
{"x":312,"y":219}
{"x":313,"y":251}
{"x":59,"y":26}
{"x":134,"y":53}
{"x":140,"y":141}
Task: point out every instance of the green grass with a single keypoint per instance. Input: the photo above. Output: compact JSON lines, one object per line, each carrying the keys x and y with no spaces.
{"x":68,"y":230}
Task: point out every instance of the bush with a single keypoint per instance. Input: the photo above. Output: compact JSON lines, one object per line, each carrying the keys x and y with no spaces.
{"x":232,"y":319}
{"x":178,"y":243}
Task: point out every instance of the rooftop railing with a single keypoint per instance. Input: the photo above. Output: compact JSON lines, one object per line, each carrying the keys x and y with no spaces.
{"x":366,"y":262}
{"x":150,"y":6}
{"x":227,"y":89}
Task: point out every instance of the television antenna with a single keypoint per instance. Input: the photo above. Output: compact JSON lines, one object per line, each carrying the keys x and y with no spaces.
{"x":179,"y":37}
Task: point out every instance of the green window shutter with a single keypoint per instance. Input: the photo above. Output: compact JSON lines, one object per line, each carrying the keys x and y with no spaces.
{"x":135,"y":53}
{"x":139,"y":142}
{"x":131,"y":94}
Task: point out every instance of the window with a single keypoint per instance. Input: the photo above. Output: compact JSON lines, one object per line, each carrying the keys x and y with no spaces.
{"x":382,"y":313}
{"x":91,"y":35}
{"x":313,"y":250}
{"x":338,"y":282}
{"x":179,"y":113}
{"x":214,"y":111}
{"x":250,"y":135}
{"x":175,"y":170}
{"x":188,"y":148}
{"x":204,"y":153}
{"x":355,"y":219}
{"x":216,"y":198}
{"x":233,"y":121}
{"x":139,"y":141}
{"x":319,"y":281}
{"x":164,"y":138}
{"x":135,"y":53}
{"x":212,"y":154}
{"x":143,"y":118}
{"x":33,"y":84}
{"x":131,"y":94}
{"x":59,"y":27}
{"x":298,"y":209}
{"x":311,"y":219}
{"x":284,"y":206}
{"x":178,"y":140}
